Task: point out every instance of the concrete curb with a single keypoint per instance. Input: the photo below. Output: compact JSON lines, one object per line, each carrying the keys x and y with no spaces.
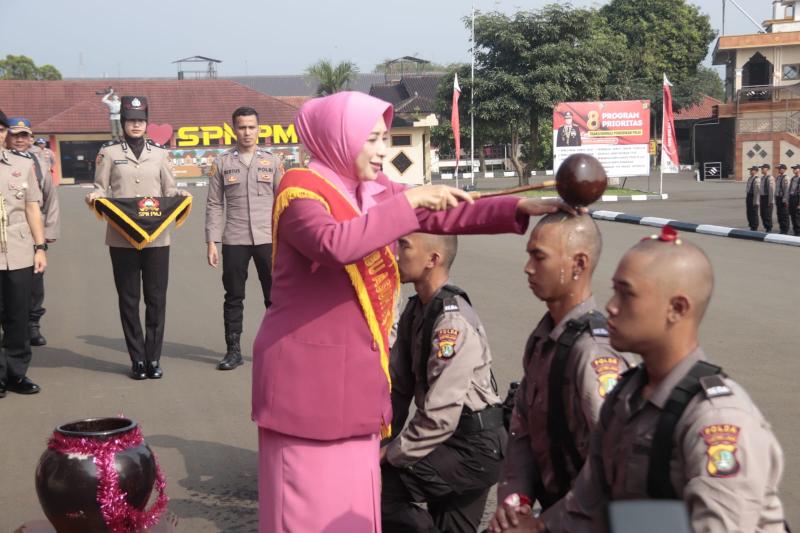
{"x":706,"y":229}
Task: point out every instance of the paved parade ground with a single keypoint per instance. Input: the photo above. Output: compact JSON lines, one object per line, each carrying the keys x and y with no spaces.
{"x":197,"y":419}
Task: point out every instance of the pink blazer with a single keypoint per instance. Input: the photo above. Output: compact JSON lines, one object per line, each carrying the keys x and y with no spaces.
{"x":316,"y":369}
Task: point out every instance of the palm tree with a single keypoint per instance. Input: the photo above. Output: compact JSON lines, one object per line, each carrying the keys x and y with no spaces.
{"x":332,"y":79}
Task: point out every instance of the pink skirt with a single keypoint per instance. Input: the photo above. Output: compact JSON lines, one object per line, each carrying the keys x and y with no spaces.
{"x":310,"y":486}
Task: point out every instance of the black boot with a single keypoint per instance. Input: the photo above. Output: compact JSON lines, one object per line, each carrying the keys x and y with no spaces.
{"x":233,"y":357}
{"x":154,"y":370}
{"x":36,"y":337}
{"x":138,"y":370}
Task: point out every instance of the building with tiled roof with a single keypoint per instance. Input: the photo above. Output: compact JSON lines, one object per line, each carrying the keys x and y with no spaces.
{"x":302,"y":84}
{"x":701,"y":110}
{"x":71,"y":115}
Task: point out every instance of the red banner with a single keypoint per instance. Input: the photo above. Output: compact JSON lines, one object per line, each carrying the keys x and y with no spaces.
{"x":669,"y":149}
{"x":455,"y":121}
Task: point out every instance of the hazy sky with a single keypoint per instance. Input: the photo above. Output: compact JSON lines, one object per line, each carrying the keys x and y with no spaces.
{"x":139,"y":38}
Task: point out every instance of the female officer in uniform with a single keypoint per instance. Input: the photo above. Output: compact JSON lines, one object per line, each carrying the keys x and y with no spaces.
{"x":136,"y":167}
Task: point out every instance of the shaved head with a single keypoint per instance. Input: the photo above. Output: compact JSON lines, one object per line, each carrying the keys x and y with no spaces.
{"x":580,"y":234}
{"x":679,"y":269}
{"x":445,"y":245}
{"x":422,"y":255}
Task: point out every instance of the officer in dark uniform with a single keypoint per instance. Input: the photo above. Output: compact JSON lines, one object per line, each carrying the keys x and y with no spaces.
{"x":450,"y":453}
{"x":131,"y":168}
{"x":568,"y":134}
{"x":767,"y":199}
{"x":794,"y":199}
{"x":753,"y":195}
{"x":782,"y":199}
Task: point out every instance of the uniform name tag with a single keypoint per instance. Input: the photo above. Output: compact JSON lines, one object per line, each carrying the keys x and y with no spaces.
{"x":120,"y":161}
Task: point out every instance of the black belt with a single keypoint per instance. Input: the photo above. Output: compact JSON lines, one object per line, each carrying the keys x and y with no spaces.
{"x":473,"y":422}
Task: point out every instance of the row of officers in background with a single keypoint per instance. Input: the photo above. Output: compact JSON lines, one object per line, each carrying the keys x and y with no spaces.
{"x":765,"y":191}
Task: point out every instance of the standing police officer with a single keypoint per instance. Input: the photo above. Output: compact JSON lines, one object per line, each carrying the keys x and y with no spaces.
{"x":20,"y":139}
{"x":243,"y":181}
{"x":767,"y":198}
{"x":782,"y":198}
{"x":569,"y":365}
{"x":794,"y":199}
{"x":137,"y":167}
{"x":22,"y":253}
{"x":753,"y":191}
{"x":450,"y":453}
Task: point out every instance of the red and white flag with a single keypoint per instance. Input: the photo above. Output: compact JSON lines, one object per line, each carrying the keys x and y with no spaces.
{"x":669,"y":144}
{"x":455,"y":121}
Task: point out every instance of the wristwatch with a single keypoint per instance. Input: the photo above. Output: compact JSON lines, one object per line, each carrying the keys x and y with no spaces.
{"x":42,"y":247}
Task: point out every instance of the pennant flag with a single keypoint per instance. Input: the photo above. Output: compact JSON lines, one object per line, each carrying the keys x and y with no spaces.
{"x":455,"y":121}
{"x":669,"y":144}
{"x":141,"y":220}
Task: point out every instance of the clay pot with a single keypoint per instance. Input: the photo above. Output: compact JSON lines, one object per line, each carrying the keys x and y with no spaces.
{"x":67,"y":482}
{"x":581,"y":180}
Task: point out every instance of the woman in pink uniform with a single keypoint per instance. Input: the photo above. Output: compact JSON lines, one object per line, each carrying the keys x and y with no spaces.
{"x":320,"y":373}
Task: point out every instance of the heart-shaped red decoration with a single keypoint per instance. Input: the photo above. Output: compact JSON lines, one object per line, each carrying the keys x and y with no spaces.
{"x":160,"y":133}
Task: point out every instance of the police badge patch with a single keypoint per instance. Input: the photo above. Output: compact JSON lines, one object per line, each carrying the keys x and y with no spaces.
{"x":721,"y":449}
{"x":446,"y":341}
{"x":607,"y":370}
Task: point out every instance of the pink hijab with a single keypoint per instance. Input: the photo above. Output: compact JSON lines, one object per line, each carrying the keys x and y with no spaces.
{"x":334,"y":129}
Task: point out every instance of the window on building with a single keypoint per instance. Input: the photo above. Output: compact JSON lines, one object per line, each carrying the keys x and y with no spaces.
{"x":789,"y":12}
{"x":791,"y":72}
{"x":401,"y":140}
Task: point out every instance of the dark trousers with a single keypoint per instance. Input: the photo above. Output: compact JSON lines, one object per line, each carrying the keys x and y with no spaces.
{"x":783,"y":215}
{"x":454,"y":480}
{"x":752,"y":212}
{"x":15,"y":295}
{"x":37,"y":299}
{"x":766,"y":213}
{"x":794,"y":213}
{"x":134,"y":270}
{"x":235,"y":263}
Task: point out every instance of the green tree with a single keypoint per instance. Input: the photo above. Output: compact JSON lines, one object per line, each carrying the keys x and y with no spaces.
{"x":663,"y":37}
{"x":332,"y":78}
{"x":23,"y":68}
{"x":528,"y":62}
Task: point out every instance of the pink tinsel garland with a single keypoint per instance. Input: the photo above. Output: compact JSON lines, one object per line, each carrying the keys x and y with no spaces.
{"x":119,"y":515}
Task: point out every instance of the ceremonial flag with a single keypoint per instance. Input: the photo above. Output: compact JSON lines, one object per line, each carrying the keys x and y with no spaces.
{"x":141,"y":220}
{"x":669,"y":146}
{"x":454,"y":120}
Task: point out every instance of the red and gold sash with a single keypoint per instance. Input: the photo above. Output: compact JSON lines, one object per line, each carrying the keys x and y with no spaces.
{"x":375,"y":278}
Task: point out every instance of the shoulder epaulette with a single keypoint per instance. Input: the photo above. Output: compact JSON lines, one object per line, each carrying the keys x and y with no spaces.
{"x":151,"y":142}
{"x":450,"y":305}
{"x":714,"y":386}
{"x":111,"y":143}
{"x":598,"y":325}
{"x":21,"y":154}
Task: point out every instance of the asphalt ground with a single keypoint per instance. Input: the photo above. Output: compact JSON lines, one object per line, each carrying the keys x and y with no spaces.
{"x":197,"y":419}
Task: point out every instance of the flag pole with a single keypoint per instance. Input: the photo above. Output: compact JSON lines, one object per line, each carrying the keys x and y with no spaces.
{"x":472,"y":103}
